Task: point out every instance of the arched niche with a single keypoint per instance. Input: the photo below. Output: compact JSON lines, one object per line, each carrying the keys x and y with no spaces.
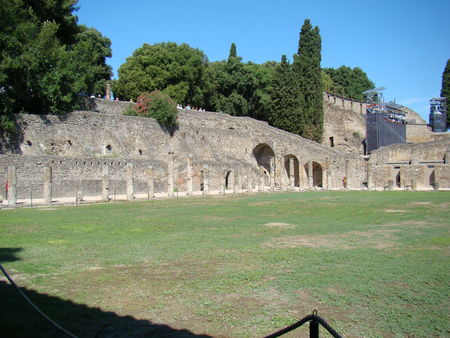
{"x":264,"y":156}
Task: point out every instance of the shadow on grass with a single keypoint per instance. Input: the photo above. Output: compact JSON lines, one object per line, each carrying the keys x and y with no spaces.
{"x":19,"y":319}
{"x":9,"y":255}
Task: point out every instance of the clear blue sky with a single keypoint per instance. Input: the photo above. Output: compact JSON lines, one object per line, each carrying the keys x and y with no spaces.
{"x":401,"y":44}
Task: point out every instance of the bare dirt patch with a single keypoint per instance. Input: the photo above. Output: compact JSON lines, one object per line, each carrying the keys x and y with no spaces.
{"x":395,"y":210}
{"x":375,"y":239}
{"x":280,"y":225}
{"x":420,"y":203}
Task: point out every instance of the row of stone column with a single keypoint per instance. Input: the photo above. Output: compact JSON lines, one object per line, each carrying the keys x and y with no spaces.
{"x":238,"y":186}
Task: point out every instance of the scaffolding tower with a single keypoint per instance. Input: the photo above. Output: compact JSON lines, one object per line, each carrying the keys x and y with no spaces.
{"x":385,"y":122}
{"x":438,"y":115}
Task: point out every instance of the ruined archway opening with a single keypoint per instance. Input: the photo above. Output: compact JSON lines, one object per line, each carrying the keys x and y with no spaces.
{"x":317,"y":175}
{"x":264,"y":156}
{"x":432,"y":179}
{"x":398,"y":180}
{"x":291,"y":166}
{"x":228,"y":180}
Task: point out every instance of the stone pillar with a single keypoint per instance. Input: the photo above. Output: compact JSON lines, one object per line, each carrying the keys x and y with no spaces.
{"x":261,"y":181}
{"x":348,"y":174}
{"x":402,"y":177}
{"x":310,"y":176}
{"x":189,"y":181}
{"x":369,"y":176}
{"x":272,"y":174}
{"x":329,"y":173}
{"x":150,"y":183}
{"x":12,"y":185}
{"x":130,"y":182}
{"x":79,"y":192}
{"x":249,"y":184}
{"x":414,"y":184}
{"x":240,"y":183}
{"x":223,"y":183}
{"x":170,"y":176}
{"x":105,"y":184}
{"x":205,"y":181}
{"x":236,"y":179}
{"x":108,"y":90}
{"x":279,"y":172}
{"x":47,"y":184}
{"x":291,"y":173}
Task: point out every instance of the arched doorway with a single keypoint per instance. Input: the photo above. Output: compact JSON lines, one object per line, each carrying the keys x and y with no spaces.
{"x":398,"y":180}
{"x":264,"y":156}
{"x":432,"y":179}
{"x":317,"y":174}
{"x":294,"y":171}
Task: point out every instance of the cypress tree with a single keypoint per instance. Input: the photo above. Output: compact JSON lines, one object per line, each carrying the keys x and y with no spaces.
{"x":284,"y":112}
{"x":308,"y":71}
{"x":233,"y":52}
{"x":445,"y":90}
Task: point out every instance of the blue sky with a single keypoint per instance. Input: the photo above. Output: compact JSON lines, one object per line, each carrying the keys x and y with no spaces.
{"x":402,"y":45}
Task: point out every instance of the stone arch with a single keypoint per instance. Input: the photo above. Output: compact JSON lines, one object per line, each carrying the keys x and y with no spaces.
{"x":398,"y":180}
{"x":264,"y":156}
{"x":432,"y":178}
{"x":317,"y":174}
{"x":228,"y":179}
{"x":287,"y":167}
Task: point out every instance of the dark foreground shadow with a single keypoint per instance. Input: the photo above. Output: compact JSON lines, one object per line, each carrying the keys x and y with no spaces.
{"x":18,"y":319}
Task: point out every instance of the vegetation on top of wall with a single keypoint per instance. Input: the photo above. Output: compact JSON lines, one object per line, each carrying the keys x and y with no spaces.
{"x":157,"y":105}
{"x":346,"y":82}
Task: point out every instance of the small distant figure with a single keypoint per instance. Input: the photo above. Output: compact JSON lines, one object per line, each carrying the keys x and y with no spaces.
{"x":179,"y":106}
{"x":131,"y":100}
{"x":344,"y":182}
{"x":117,"y":99}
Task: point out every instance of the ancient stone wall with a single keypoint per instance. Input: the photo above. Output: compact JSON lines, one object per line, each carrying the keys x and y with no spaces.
{"x":80,"y":144}
{"x":411,"y":166}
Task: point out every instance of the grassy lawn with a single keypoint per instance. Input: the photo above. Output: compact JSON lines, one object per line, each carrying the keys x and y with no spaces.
{"x":372,"y":263}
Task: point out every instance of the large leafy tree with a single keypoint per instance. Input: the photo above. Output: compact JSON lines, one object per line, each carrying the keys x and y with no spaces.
{"x":178,"y":70}
{"x":308,"y":71}
{"x":240,"y":89}
{"x":445,"y":90}
{"x":43,"y":63}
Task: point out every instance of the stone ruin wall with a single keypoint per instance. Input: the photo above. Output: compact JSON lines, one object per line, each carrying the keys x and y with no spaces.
{"x":81,"y":144}
{"x":422,"y":166}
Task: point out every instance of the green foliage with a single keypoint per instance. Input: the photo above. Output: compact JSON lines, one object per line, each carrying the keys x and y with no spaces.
{"x":46,"y":58}
{"x":445,"y":89}
{"x":307,"y":68}
{"x":159,"y":106}
{"x":240,"y":89}
{"x":284,"y":94}
{"x":348,"y":82}
{"x":175,"y":69}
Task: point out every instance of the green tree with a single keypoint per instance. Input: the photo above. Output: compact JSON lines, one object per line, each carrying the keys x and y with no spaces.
{"x":45,"y":59}
{"x":175,"y":69}
{"x":445,"y":89}
{"x":349,"y":82}
{"x":307,"y":69}
{"x":284,"y":112}
{"x":88,"y":54}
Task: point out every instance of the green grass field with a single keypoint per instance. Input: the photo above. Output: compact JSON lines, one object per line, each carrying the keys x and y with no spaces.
{"x":372,"y":263}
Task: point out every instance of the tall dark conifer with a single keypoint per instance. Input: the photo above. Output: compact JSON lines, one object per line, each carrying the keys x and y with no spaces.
{"x":445,"y":90}
{"x":284,"y":95}
{"x":308,"y":71}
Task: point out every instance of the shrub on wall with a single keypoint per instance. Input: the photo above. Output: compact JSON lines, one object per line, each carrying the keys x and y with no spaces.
{"x":159,"y":106}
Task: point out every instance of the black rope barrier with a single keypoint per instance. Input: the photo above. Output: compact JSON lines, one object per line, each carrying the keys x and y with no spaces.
{"x":313,"y":327}
{"x":51,"y":321}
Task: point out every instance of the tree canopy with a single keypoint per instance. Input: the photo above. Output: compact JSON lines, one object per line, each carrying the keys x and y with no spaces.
{"x":46,"y":58}
{"x":177,"y":70}
{"x":347,"y":82}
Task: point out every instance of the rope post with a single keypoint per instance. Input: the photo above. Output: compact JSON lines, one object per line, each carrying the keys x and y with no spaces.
{"x":314,"y":329}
